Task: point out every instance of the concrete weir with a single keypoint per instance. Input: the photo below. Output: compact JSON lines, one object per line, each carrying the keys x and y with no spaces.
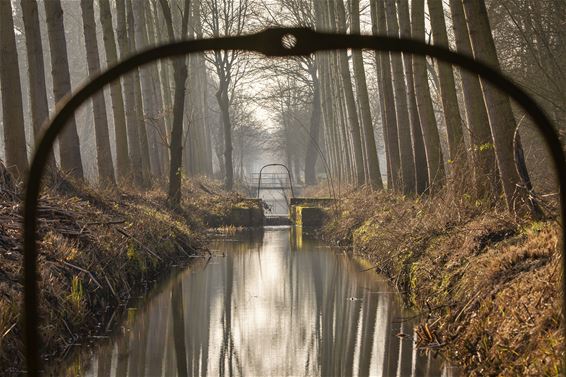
{"x":308,"y":212}
{"x":248,"y":213}
{"x":277,"y":220}
{"x":303,"y":212}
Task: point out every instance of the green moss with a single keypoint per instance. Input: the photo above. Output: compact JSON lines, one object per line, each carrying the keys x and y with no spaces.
{"x":413,"y":269}
{"x":131,"y":251}
{"x":77,"y":292}
{"x":135,"y":257}
{"x":443,"y":288}
{"x":535,"y":227}
{"x":365,"y":233}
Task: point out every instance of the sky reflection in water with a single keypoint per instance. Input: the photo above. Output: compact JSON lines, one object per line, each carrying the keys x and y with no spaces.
{"x":275,"y":305}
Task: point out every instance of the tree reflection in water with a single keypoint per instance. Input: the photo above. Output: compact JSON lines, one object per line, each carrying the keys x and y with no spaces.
{"x":276,"y":304}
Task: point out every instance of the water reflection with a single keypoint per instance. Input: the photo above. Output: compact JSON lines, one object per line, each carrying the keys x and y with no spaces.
{"x":276,"y":304}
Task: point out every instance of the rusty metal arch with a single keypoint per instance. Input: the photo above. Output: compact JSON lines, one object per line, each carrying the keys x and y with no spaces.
{"x":288,"y":174}
{"x":269,"y":43}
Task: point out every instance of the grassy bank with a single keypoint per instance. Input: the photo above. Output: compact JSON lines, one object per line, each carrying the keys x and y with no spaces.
{"x":97,"y":249}
{"x":487,"y":284}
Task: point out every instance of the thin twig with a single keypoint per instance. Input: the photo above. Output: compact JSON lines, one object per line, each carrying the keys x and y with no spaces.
{"x":111,"y":288}
{"x":111,"y":222}
{"x":123,"y":232}
{"x":83,"y":270}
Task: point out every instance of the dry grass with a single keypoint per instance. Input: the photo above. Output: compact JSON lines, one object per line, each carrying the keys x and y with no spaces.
{"x":96,"y":249}
{"x":487,"y":284}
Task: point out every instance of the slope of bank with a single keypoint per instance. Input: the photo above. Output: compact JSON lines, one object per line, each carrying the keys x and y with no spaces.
{"x":487,"y":285}
{"x":96,"y":250}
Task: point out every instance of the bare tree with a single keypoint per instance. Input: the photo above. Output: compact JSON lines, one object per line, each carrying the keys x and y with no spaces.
{"x":348,"y":91}
{"x":401,"y":109}
{"x":103,"y":154}
{"x":339,"y":141}
{"x":138,"y":96}
{"x":476,"y":113}
{"x":431,"y":137}
{"x":69,"y":146}
{"x":450,"y":108}
{"x":157,"y":33}
{"x":306,"y":70}
{"x":374,"y":173}
{"x":12,"y":108}
{"x":388,"y":100}
{"x":421,"y":165}
{"x":148,"y":76}
{"x":129,"y":96}
{"x":501,"y":119}
{"x":198,"y":151}
{"x":36,"y":73}
{"x":180,"y":75}
{"x":221,"y":17}
{"x":122,"y":157}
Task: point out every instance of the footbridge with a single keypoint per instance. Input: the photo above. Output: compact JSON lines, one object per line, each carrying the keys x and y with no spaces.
{"x":286,"y":206}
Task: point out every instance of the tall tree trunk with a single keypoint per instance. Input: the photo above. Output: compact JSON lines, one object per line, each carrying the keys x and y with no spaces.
{"x":421,"y":166}
{"x":174,"y":191}
{"x":208,"y":136}
{"x":501,"y":119}
{"x":401,"y":110}
{"x":448,"y":95}
{"x":36,"y":73}
{"x":486,"y":178}
{"x":129,"y":96}
{"x":386,"y":88}
{"x":12,"y":107}
{"x":322,"y":60}
{"x":122,"y":158}
{"x":138,"y":95}
{"x":180,"y":78}
{"x":167,"y":108}
{"x":149,"y":98}
{"x":328,"y":122}
{"x":374,"y":173}
{"x":380,"y":86}
{"x":193,"y":152}
{"x":311,"y":154}
{"x":433,"y":150}
{"x":160,"y":122}
{"x":344,"y":69}
{"x":205,"y":152}
{"x":103,"y":154}
{"x":69,"y":146}
{"x":224,"y":103}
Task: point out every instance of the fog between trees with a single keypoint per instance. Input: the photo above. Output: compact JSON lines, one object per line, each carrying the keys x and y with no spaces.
{"x":395,"y":121}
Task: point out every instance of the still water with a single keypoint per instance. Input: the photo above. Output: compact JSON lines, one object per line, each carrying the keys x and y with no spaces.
{"x":272,"y":304}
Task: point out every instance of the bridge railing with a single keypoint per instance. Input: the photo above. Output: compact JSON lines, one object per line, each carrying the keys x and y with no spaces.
{"x":270,"y":180}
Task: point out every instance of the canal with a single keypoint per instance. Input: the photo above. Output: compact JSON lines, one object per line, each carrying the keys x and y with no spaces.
{"x":269,"y":303}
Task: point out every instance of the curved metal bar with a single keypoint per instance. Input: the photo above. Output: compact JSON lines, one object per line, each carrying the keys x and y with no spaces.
{"x":288,"y":173}
{"x":269,"y":43}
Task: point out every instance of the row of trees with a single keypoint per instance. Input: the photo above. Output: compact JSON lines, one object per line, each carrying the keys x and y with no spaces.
{"x":386,"y":120}
{"x":436,"y":121}
{"x":152,"y":131}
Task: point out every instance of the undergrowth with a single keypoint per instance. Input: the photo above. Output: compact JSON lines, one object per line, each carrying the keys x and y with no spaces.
{"x":487,"y":283}
{"x":96,"y":250}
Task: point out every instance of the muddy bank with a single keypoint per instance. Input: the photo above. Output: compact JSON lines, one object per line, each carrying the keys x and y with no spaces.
{"x":97,"y":250}
{"x":487,"y":284}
